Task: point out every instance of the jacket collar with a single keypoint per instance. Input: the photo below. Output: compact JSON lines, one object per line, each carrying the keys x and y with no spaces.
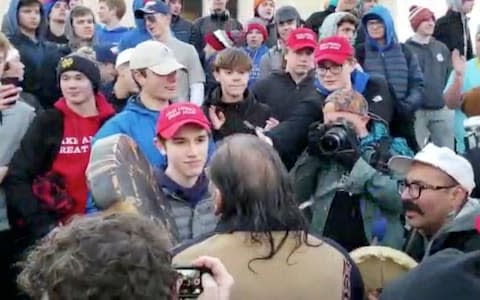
{"x":216,"y":99}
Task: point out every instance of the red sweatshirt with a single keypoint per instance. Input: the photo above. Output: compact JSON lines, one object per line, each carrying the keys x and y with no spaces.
{"x":72,"y":159}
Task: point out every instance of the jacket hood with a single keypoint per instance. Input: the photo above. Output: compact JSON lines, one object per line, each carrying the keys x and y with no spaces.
{"x":382,"y":13}
{"x":12,"y":19}
{"x":455,"y":5}
{"x":139,"y":23}
{"x":465,"y":219}
{"x":48,"y":5}
{"x":105,"y":110}
{"x":330,"y":24}
{"x":73,"y":41}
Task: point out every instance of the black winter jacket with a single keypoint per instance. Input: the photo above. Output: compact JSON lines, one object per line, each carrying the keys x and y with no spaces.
{"x":249,"y":109}
{"x":290,"y":138}
{"x":27,"y":219}
{"x":452,"y":31}
{"x":315,"y":21}
{"x":282,"y":94}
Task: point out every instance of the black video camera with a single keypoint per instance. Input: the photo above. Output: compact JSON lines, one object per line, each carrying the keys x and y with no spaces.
{"x":335,"y":138}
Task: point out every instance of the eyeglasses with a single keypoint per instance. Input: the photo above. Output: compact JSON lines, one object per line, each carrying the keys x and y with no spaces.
{"x":334,"y":69}
{"x":415,"y":189}
{"x":150,"y":18}
{"x":375,"y":23}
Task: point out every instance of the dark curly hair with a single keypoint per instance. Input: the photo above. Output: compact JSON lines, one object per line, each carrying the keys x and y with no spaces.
{"x":117,"y":256}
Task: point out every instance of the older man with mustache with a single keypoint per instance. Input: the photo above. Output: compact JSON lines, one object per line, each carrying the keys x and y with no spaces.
{"x":436,"y":196}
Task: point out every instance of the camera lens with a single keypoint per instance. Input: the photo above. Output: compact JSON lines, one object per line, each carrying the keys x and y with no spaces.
{"x":330,"y":143}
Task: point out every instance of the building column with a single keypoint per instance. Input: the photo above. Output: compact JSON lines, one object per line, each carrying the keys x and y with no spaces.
{"x":245,"y":10}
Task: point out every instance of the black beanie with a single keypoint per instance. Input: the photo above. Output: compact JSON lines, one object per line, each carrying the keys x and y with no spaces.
{"x":75,"y":62}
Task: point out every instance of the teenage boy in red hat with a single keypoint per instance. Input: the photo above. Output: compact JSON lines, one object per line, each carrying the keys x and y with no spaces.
{"x":182,"y":134}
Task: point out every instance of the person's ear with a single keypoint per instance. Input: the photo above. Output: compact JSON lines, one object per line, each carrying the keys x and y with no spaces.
{"x":160,"y":145}
{"x":458,"y":196}
{"x":365,"y":119}
{"x":216,"y":75}
{"x":217,"y":201}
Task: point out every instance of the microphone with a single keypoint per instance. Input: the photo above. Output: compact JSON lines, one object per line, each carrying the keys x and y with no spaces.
{"x":379,"y":227}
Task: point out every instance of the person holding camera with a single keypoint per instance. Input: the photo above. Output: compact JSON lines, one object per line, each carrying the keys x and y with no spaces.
{"x":336,"y":69}
{"x":343,"y":177}
{"x":94,"y":263}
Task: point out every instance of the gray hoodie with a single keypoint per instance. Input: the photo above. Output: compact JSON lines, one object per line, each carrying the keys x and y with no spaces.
{"x":463,"y":221}
{"x":15,"y":122}
{"x":330,"y":25}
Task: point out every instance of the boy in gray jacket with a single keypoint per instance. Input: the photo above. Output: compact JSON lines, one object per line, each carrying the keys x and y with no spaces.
{"x":434,"y":120}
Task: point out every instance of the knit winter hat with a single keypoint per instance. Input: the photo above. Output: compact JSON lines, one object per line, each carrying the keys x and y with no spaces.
{"x":419,"y":14}
{"x":79,"y":63}
{"x":258,"y":24}
{"x":257,"y":3}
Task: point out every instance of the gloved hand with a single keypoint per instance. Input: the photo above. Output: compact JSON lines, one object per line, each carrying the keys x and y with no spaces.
{"x":315,"y":133}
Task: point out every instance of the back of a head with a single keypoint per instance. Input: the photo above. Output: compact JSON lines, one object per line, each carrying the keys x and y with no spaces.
{"x":118,"y":256}
{"x":255,"y":186}
{"x":448,"y":274}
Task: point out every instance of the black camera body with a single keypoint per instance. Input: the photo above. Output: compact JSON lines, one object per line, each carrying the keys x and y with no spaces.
{"x":335,"y":138}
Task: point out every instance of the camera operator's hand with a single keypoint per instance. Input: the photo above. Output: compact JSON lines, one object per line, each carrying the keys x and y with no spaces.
{"x":218,"y":285}
{"x":216,"y":117}
{"x":315,"y":134}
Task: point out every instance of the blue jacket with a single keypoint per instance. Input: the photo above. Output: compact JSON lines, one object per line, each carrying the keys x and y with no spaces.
{"x":393,"y":61}
{"x":137,"y":35}
{"x":137,"y":122}
{"x":110,"y":37}
{"x":256,"y":56}
{"x":32,"y":53}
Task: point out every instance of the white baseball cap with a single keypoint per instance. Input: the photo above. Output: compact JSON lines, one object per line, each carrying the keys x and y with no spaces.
{"x":442,"y":158}
{"x":155,"y":56}
{"x":123,"y":57}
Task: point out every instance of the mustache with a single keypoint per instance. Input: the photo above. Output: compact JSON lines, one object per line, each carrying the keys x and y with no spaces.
{"x":410,"y":206}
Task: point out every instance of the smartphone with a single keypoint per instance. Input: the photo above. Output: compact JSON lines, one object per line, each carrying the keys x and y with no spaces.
{"x":10,"y":80}
{"x":191,"y":281}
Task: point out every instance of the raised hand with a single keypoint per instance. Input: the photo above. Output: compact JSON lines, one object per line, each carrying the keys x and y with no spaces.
{"x":458,"y":62}
{"x":217,"y":118}
{"x":271,"y":123}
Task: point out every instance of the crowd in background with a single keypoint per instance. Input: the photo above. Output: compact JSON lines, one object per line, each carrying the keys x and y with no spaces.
{"x":267,"y":152}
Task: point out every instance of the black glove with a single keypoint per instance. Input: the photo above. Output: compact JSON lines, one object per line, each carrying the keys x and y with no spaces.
{"x":350,"y":154}
{"x":315,"y":133}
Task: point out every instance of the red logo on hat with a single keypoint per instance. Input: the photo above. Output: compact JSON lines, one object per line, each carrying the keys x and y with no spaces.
{"x":330,"y":46}
{"x":304,"y":36}
{"x":175,"y":116}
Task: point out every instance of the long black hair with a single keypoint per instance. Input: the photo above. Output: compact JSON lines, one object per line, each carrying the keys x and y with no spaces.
{"x":257,"y":192}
